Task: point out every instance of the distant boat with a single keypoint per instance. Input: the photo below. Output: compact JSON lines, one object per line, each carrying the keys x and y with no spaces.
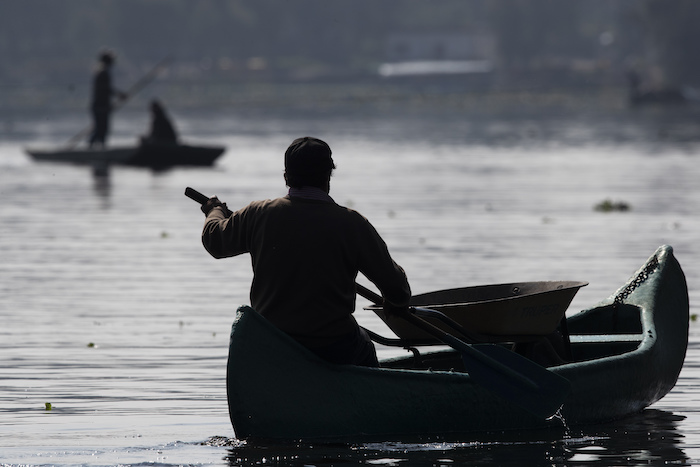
{"x":664,"y":96}
{"x":643,"y":95}
{"x":149,"y":154}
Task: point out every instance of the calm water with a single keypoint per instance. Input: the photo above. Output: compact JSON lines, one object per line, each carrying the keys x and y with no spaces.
{"x":114,"y":314}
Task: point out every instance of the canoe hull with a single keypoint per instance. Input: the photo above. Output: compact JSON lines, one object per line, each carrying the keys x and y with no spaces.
{"x":154,"y":155}
{"x":149,"y":155}
{"x":278,"y":390}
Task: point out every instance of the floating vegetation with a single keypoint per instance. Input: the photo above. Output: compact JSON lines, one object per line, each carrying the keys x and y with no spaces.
{"x":164,"y":234}
{"x":91,"y":345}
{"x":220,"y":441}
{"x":610,"y":206}
{"x":48,"y":406}
{"x":694,"y":317}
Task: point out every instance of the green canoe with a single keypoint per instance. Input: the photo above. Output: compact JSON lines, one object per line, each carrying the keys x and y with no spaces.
{"x":626,"y":353}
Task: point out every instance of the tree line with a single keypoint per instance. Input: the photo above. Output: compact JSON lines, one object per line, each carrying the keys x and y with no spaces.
{"x":45,"y":40}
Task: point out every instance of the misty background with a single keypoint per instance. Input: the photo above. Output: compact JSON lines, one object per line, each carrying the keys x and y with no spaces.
{"x":480,"y":137}
{"x":315,"y":53}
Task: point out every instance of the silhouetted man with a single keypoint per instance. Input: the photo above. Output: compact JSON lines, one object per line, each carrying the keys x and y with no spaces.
{"x":306,"y":252}
{"x":101,"y":106}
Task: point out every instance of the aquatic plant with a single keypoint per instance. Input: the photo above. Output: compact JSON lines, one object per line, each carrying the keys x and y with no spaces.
{"x":608,"y":205}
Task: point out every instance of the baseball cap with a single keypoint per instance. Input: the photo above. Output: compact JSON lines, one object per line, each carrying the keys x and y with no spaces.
{"x":308,"y":155}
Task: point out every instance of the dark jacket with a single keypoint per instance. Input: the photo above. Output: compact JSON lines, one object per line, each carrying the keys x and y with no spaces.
{"x":306,"y":255}
{"x":102,"y":90}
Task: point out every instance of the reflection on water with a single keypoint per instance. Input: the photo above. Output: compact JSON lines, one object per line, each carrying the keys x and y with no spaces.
{"x":649,"y":438}
{"x":103,"y":187}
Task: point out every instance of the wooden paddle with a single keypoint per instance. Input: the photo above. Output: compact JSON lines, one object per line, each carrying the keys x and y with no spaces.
{"x":135,"y":88}
{"x":505,"y":373}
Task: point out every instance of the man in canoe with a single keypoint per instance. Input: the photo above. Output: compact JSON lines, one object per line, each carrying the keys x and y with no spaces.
{"x":306,"y":252}
{"x":102,"y":93}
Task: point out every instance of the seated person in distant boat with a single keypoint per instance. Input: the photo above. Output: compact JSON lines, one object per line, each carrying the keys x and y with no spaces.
{"x":306,"y":252}
{"x":162,"y":130}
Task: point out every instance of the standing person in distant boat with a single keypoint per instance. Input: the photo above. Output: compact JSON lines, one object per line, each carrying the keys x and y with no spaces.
{"x":306,"y":252}
{"x":162,"y":129}
{"x":101,"y":105}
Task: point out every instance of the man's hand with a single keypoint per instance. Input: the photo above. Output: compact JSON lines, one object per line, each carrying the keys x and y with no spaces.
{"x":212,"y":203}
{"x":393,"y":310}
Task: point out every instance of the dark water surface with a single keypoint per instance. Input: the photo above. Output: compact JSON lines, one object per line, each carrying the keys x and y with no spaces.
{"x":114,"y":314}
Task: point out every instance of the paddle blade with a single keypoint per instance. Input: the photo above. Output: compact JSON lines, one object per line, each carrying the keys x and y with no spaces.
{"x":530,"y":386}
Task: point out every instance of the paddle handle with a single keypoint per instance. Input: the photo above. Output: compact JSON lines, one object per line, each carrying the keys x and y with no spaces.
{"x":195,"y":195}
{"x":364,"y":292}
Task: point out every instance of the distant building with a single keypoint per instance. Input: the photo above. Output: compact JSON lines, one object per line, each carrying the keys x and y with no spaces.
{"x":439,"y":46}
{"x":412,"y":54}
